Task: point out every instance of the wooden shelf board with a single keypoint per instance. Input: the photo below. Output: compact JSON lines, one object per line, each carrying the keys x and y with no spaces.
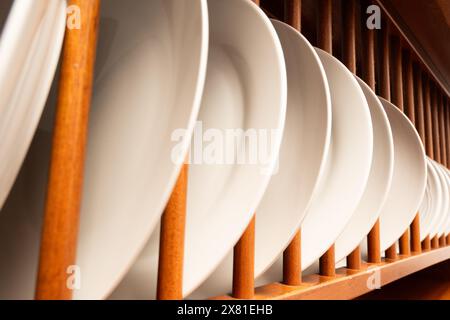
{"x":349,"y":284}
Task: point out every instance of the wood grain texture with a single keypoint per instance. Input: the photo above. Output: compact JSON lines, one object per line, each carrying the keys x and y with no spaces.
{"x":292,"y":271}
{"x":293,"y":13}
{"x":171,"y":241}
{"x":244,"y":264}
{"x":60,"y":227}
{"x":349,"y":284}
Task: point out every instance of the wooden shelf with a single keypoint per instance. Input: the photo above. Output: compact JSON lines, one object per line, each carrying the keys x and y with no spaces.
{"x":349,"y":284}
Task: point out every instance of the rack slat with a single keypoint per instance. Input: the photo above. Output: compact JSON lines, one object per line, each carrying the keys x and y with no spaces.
{"x":60,"y":229}
{"x":292,"y":266}
{"x":171,"y":247}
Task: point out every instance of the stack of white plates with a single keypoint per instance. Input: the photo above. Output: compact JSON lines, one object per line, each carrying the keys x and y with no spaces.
{"x":270,"y":125}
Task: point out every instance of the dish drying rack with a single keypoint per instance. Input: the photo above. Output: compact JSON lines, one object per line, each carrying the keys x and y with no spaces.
{"x":393,"y":64}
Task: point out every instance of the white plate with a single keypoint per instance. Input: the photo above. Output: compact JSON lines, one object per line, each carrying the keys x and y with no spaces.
{"x":431,"y":201}
{"x":348,"y":163}
{"x":303,"y":153}
{"x":441,"y":225}
{"x":447,"y":227}
{"x":245,"y":89}
{"x":152,"y":63}
{"x":379,"y":183}
{"x":29,"y":51}
{"x":410,"y":173}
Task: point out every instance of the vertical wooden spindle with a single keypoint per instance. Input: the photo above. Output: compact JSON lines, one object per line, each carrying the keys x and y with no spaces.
{"x":426,"y":243}
{"x":244,"y":259}
{"x":292,"y":262}
{"x":349,"y":57}
{"x":373,"y":239}
{"x":410,"y":112}
{"x":436,"y":141}
{"x":171,"y":242}
{"x":60,"y":228}
{"x":292,"y":271}
{"x":397,"y":98}
{"x":327,"y":261}
{"x":443,"y":144}
{"x":293,"y":13}
{"x":244,"y":264}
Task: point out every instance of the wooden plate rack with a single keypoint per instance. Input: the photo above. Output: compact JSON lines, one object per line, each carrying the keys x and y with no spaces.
{"x":390,"y":62}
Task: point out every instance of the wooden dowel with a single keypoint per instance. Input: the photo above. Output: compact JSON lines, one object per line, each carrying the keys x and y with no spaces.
{"x":373,"y":244}
{"x":419,"y":109}
{"x":397,"y":94}
{"x":64,"y":190}
{"x":349,"y":34}
{"x":415,"y":235}
{"x":391,"y":252}
{"x":385,"y":77}
{"x":327,"y":262}
{"x":426,"y":243}
{"x":442,"y":135}
{"x":244,"y":259}
{"x":435,"y":124}
{"x":428,"y":120}
{"x":442,"y":241}
{"x":292,"y":271}
{"x":293,"y":13}
{"x":435,"y":242}
{"x":171,"y":242}
{"x":414,"y":231}
{"x":447,"y":131}
{"x":448,"y":239}
{"x":373,"y":238}
{"x":244,"y":264}
{"x":292,"y":262}
{"x":349,"y":57}
{"x":354,"y":259}
{"x":324,"y":37}
{"x":405,"y":243}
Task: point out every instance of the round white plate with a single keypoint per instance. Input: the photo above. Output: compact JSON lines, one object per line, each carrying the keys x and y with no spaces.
{"x":245,"y":90}
{"x":410,"y":173}
{"x":379,"y":183}
{"x":151,"y":66}
{"x":348,"y":164}
{"x":442,"y":224}
{"x":29,"y":50}
{"x":303,"y":153}
{"x":431,"y":201}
